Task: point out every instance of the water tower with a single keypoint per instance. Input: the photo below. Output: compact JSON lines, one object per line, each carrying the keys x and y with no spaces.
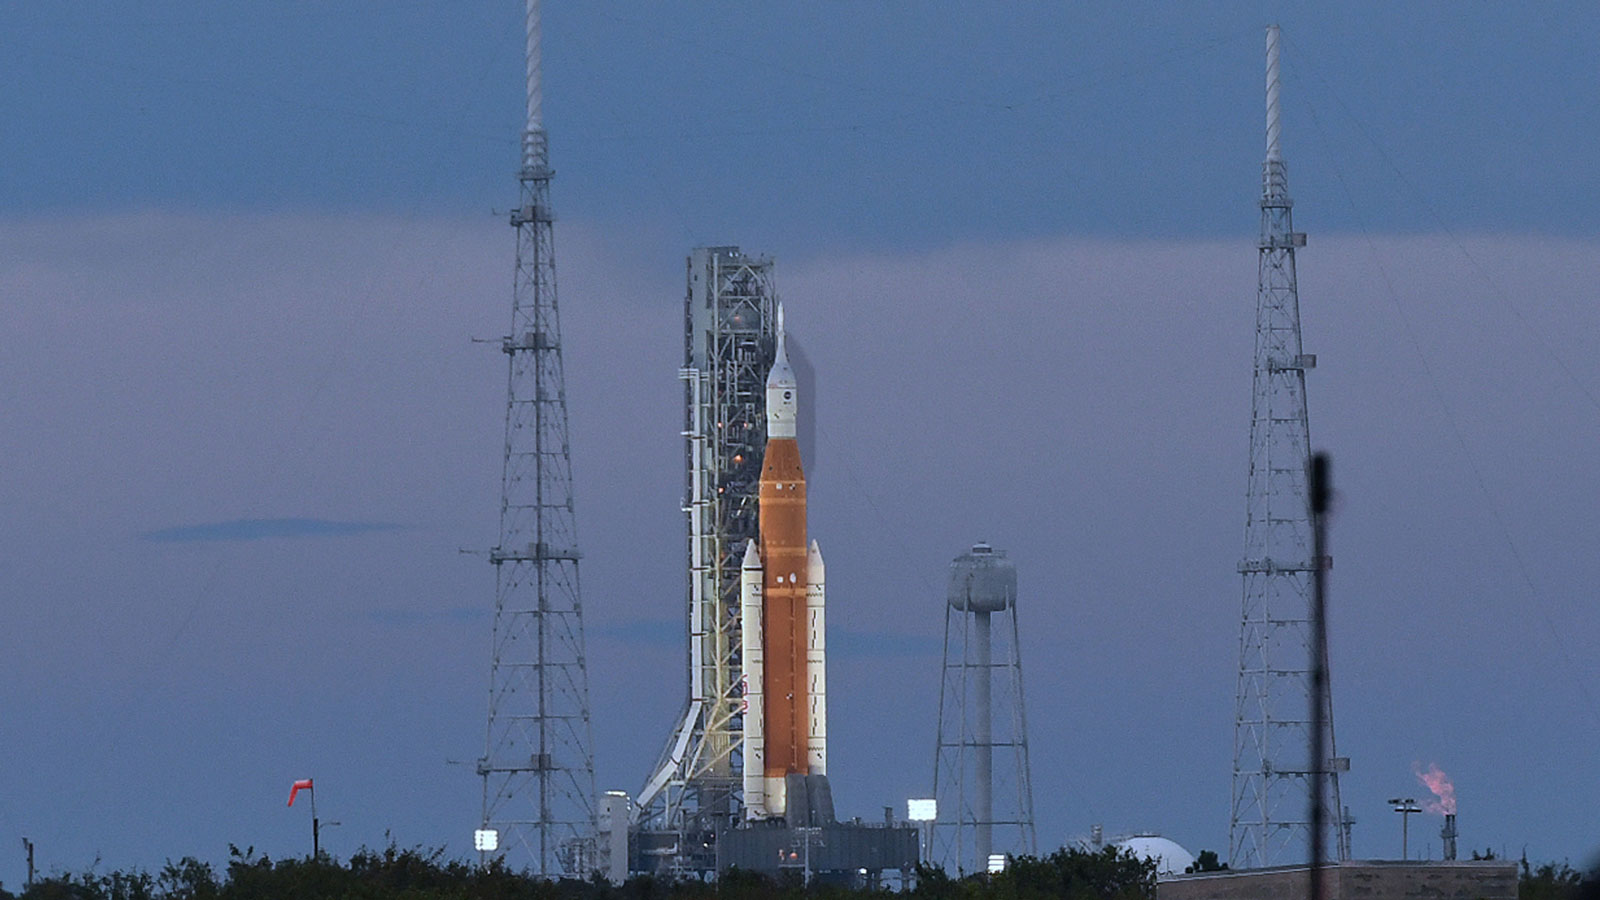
{"x":983,"y":735}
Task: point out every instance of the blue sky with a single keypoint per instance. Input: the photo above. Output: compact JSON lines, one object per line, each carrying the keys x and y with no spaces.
{"x":243,"y":253}
{"x":876,"y":124}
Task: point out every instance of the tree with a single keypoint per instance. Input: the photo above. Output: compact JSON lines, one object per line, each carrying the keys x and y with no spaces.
{"x":1207,"y":861}
{"x":187,"y":879}
{"x":1073,"y":874}
{"x":1556,"y":881}
{"x":395,"y":873}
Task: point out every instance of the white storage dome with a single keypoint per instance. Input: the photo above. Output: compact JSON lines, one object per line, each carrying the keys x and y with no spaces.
{"x":1170,"y":858}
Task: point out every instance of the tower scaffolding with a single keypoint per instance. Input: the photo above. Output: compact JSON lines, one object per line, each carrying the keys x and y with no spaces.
{"x":538,"y":762}
{"x":1273,"y":773}
{"x":729,"y":337}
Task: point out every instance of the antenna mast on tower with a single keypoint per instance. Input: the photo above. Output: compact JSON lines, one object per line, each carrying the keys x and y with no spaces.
{"x":1273,"y":773}
{"x":538,"y":765}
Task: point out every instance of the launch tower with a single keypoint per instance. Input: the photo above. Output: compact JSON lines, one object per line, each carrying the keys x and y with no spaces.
{"x":538,"y":765}
{"x":983,"y":584}
{"x":729,"y":346}
{"x":1273,"y":773}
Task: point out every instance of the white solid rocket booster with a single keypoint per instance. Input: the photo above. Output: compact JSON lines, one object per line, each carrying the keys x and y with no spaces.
{"x":816,"y":662}
{"x":755,"y":707}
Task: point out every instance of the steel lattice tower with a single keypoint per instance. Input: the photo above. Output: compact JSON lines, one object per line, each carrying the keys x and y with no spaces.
{"x":729,"y":339}
{"x":538,"y":765}
{"x":1272,"y":769}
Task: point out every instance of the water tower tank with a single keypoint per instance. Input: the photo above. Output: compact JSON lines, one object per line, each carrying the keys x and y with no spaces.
{"x":982,"y":580}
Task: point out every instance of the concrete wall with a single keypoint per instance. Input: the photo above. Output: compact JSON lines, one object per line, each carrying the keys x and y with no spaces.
{"x":1356,"y":880}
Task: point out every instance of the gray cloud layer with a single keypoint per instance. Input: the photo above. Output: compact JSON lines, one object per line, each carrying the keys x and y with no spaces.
{"x":1083,"y":404}
{"x":262,"y":529}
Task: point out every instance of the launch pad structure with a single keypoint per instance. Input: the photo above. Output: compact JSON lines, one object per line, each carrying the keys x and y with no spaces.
{"x":742,"y":780}
{"x":730,"y":326}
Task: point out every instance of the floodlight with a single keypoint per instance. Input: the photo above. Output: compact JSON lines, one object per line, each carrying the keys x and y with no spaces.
{"x":924,"y":810}
{"x":997,"y":863}
{"x":486,"y":840}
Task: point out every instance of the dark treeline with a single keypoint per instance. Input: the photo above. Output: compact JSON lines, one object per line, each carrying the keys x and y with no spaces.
{"x":416,"y":874}
{"x":1553,"y":881}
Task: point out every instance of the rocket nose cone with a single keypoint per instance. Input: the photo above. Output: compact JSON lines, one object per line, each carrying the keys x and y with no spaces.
{"x":752,"y":556}
{"x":781,"y":374}
{"x":782,"y":402}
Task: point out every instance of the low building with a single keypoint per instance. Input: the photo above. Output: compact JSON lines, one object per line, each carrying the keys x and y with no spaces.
{"x":1490,"y":879}
{"x":849,"y":854}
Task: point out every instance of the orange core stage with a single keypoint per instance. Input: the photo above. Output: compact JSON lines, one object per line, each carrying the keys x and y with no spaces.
{"x":783,"y":551}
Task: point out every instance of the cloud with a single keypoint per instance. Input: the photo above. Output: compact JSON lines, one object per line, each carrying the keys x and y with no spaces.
{"x":263,"y":529}
{"x":879,"y":644}
{"x":842,"y":643}
{"x":458,"y":615}
{"x":650,"y":632}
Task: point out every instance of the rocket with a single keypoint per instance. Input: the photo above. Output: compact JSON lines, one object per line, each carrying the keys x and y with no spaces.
{"x":782,"y":605}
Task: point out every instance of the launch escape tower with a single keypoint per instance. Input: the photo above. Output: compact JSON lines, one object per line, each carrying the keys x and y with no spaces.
{"x":729,"y":339}
{"x":1273,"y":773}
{"x":983,"y":583}
{"x":538,"y":765}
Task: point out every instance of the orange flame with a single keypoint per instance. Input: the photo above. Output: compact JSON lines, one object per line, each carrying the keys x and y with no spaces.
{"x":1435,"y":780}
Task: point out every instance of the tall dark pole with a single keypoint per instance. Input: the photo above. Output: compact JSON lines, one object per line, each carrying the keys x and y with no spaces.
{"x":316,"y":847}
{"x":29,"y":845}
{"x":1321,"y":476}
{"x":1405,"y":806}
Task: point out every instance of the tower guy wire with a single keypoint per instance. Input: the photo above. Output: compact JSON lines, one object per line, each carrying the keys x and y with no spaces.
{"x":1578,"y":675}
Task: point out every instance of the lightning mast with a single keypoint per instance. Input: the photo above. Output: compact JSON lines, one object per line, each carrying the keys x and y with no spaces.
{"x":538,"y":765}
{"x":1272,"y":770}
